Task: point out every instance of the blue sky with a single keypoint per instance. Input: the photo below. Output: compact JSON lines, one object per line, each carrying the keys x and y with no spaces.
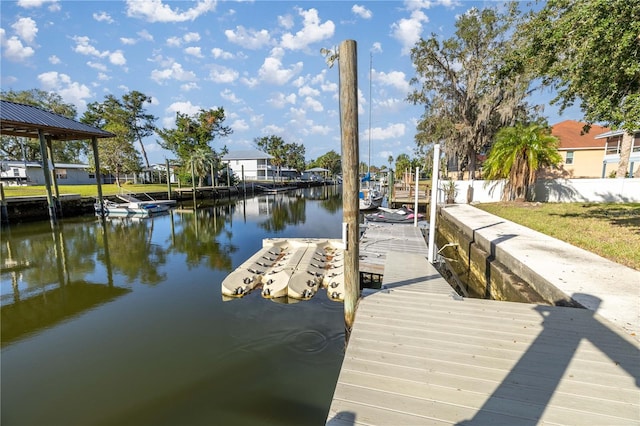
{"x":259,"y":60}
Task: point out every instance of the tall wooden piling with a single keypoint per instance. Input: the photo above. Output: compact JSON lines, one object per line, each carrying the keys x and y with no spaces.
{"x":350,"y":161}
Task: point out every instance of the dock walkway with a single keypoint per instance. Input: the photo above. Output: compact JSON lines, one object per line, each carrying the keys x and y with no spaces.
{"x":420,"y":354}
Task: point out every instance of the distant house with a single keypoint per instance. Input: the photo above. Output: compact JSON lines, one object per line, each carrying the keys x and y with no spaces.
{"x":32,"y":173}
{"x":581,"y":152}
{"x":256,"y":164}
{"x":613,"y":142}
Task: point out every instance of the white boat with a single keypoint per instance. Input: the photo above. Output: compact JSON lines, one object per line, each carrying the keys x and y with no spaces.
{"x":370,"y":199}
{"x":131,"y":209}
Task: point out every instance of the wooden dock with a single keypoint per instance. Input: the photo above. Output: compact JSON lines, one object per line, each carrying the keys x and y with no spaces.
{"x":379,"y":239}
{"x":420,"y":354}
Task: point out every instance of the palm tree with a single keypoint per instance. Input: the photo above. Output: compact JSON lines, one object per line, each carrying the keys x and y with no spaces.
{"x":517,"y":155}
{"x":201,"y":158}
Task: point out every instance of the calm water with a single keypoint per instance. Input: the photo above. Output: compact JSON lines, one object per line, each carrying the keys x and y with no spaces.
{"x":124,"y":323}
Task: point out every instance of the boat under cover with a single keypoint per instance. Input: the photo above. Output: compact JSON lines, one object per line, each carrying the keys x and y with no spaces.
{"x":131,"y":209}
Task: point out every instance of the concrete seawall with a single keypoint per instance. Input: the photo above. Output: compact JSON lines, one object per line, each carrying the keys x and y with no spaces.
{"x":561,"y":274}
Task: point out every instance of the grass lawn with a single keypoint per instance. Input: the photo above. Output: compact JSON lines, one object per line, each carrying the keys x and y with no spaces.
{"x":608,"y":229}
{"x":83,"y":190}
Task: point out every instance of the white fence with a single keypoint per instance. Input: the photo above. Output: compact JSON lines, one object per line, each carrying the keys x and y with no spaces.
{"x":553,"y":190}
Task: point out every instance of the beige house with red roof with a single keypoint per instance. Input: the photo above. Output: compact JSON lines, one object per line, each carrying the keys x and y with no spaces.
{"x":581,"y":152}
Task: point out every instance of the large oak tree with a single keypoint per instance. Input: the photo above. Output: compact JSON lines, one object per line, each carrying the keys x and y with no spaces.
{"x":466,"y":96}
{"x":589,"y":52}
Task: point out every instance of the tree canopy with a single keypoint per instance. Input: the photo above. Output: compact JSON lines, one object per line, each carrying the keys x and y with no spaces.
{"x":118,"y":154}
{"x":589,"y":52}
{"x":330,"y":161}
{"x":18,"y":148}
{"x":284,"y":154}
{"x":191,"y":138}
{"x":466,"y":97}
{"x":142,"y":123}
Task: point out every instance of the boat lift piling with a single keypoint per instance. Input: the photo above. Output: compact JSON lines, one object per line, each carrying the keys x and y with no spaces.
{"x":348,"y":80}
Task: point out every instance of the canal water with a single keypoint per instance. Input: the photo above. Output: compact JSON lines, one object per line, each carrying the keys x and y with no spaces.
{"x":122,"y":322}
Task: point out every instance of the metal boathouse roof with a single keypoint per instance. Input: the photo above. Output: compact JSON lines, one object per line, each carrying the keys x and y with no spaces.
{"x":25,"y":120}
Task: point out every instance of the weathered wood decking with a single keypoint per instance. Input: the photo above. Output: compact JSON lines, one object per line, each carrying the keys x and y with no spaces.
{"x":419,"y":354}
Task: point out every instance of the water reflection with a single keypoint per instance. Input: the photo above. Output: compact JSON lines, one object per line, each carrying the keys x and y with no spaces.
{"x":133,"y":311}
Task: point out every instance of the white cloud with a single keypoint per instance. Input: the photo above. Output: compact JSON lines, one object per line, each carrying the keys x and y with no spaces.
{"x":280,"y":100}
{"x":191,"y":37}
{"x":103,"y":77}
{"x":312,"y":31}
{"x":189,"y":86}
{"x":308,"y":91}
{"x":145,"y":35}
{"x":174,"y":41}
{"x":72,"y":92}
{"x":272,"y":129}
{"x":97,"y":65}
{"x":29,"y":4}
{"x":128,"y":40}
{"x":250,"y":82}
{"x":376,"y":48}
{"x":395,"y":79}
{"x":314,"y":104}
{"x":220,"y":74}
{"x":221,"y":54}
{"x":390,"y":132}
{"x":103,"y":17}
{"x":13,"y":49}
{"x":26,"y":29}
{"x":240,"y":126}
{"x":249,"y":39}
{"x":408,"y":31}
{"x":362,"y":11}
{"x":53,"y":59}
{"x":175,"y":72}
{"x":228,"y":95}
{"x":286,"y":21}
{"x":157,"y":11}
{"x":194,"y":51}
{"x":85,"y":48}
{"x":183,"y":107}
{"x":272,"y":71}
{"x":117,"y":58}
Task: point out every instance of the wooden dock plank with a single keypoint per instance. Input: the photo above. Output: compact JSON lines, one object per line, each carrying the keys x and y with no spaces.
{"x":420,"y":354}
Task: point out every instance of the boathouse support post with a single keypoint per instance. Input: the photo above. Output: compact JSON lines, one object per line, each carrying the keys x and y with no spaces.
{"x":348,"y":66}
{"x":96,"y":161}
{"x":193,"y":184}
{"x":54,"y":180}
{"x":434,"y":199}
{"x":47,"y":176}
{"x":166,"y":164}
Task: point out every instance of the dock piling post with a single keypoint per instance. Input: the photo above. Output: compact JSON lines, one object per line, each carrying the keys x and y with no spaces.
{"x":350,"y":205}
{"x":434,"y":199}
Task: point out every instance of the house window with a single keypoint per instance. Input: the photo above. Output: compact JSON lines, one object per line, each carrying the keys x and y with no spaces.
{"x":613,"y":145}
{"x":569,"y":159}
{"x":636,"y":143}
{"x":61,"y":173}
{"x":16,"y":172}
{"x":92,"y":175}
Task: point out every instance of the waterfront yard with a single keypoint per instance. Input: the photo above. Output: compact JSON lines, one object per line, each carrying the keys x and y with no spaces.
{"x":611,"y":230}
{"x":83,"y":190}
